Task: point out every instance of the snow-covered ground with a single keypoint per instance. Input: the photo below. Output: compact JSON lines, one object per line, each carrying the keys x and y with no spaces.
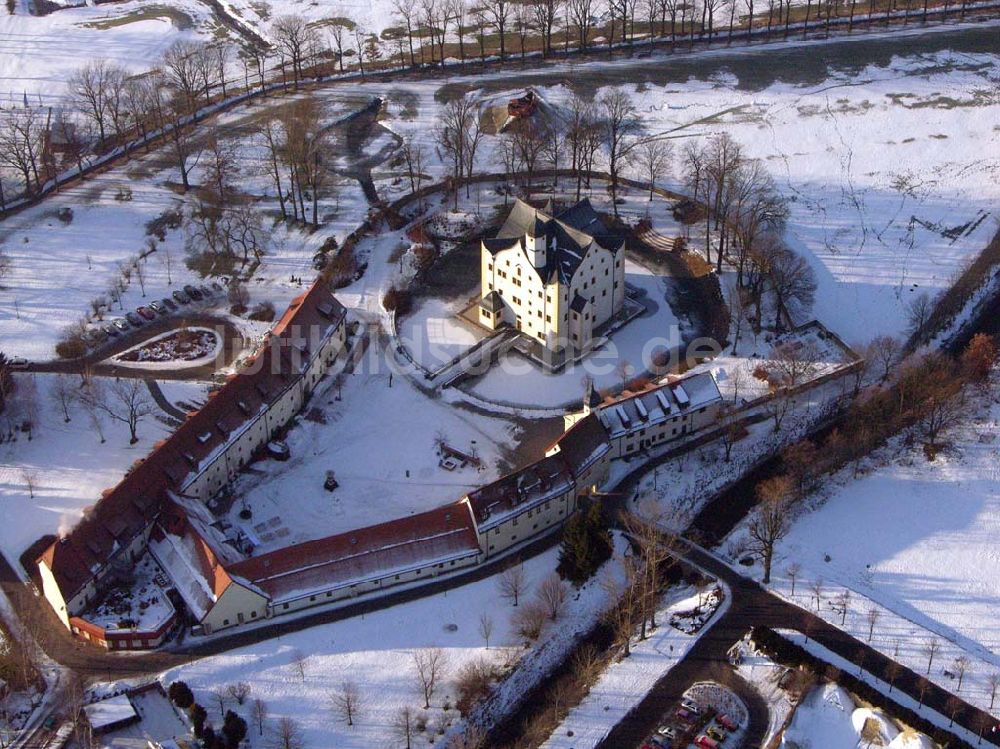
{"x":380,"y":442}
{"x":376,"y":653}
{"x":627,"y":681}
{"x":66,"y":462}
{"x":915,"y":541}
{"x":891,"y":172}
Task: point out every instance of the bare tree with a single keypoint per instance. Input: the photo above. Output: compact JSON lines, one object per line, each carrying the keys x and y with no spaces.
{"x":893,"y":670}
{"x":22,"y":140}
{"x":993,"y":680}
{"x":485,"y":628}
{"x":125,"y":400}
{"x":620,"y":124}
{"x":498,"y":12}
{"x":346,"y":702}
{"x":918,"y":312}
{"x":300,"y":664}
{"x":403,"y":725}
{"x":97,"y":88}
{"x":458,"y":135}
{"x":792,"y":281}
{"x":221,"y":697}
{"x":296,"y":40}
{"x":511,"y":583}
{"x":552,"y":595}
{"x":962,"y":666}
{"x":653,"y":159}
{"x":730,"y":428}
{"x":30,"y":478}
{"x":239,"y":691}
{"x":770,"y":522}
{"x":842,"y":604}
{"x":795,"y":363}
{"x":817,"y":590}
{"x":930,"y":649}
{"x":65,"y":394}
{"x":430,"y":665}
{"x":259,"y":713}
{"x":286,"y":735}
{"x":793,"y":571}
{"x":581,"y":15}
{"x":872,"y":615}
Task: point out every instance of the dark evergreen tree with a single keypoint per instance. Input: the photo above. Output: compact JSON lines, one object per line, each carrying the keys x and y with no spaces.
{"x":198,"y":716}
{"x":181,"y":695}
{"x":234,"y":728}
{"x":586,"y":545}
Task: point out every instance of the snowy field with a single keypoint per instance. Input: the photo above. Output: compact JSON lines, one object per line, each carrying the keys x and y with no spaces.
{"x":914,"y":541}
{"x":892,"y":172}
{"x":380,"y":442}
{"x":375,"y":652}
{"x":66,"y":461}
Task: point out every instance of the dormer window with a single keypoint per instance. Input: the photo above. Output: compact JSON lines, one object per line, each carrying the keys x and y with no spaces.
{"x":204,"y":437}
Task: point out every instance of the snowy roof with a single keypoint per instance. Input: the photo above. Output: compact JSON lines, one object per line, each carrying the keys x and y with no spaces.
{"x":433,"y":537}
{"x":568,"y":236}
{"x":137,"y":500}
{"x":111,"y":712}
{"x":659,"y":404}
{"x":520,"y":491}
{"x":194,"y":568}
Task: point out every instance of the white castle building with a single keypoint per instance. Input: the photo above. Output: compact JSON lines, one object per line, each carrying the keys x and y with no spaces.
{"x":556,"y":278}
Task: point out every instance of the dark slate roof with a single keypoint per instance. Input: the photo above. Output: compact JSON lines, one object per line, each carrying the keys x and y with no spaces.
{"x":520,"y":491}
{"x":583,"y":443}
{"x":491,"y":302}
{"x":568,"y":235}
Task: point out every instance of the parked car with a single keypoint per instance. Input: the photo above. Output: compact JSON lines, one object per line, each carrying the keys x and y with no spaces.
{"x":192,"y":292}
{"x":17,"y":362}
{"x":206,"y":290}
{"x":669,"y":731}
{"x":98,"y":335}
{"x":145,"y":312}
{"x":121,"y":324}
{"x":691,"y":706}
{"x":716,"y":733}
{"x":133,"y":318}
{"x":217,"y":286}
{"x":111,"y":330}
{"x":181,"y":297}
{"x":684,"y":716}
{"x":158,"y":307}
{"x":170,"y":304}
{"x":726,"y":722}
{"x":706,"y":743}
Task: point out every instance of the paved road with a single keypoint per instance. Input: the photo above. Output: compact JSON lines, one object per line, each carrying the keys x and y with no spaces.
{"x":753,"y":605}
{"x":233,"y":344}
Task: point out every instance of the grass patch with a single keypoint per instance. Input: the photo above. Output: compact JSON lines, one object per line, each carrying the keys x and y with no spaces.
{"x":178,"y":18}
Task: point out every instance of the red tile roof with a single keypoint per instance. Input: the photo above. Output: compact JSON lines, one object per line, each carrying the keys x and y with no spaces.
{"x":418,"y":540}
{"x":135,"y":502}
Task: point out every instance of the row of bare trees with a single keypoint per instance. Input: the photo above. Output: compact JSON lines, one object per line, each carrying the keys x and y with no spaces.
{"x":928,"y":393}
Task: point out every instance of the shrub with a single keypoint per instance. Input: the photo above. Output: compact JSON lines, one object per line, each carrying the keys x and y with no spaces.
{"x":529,"y":620}
{"x":397,"y":300}
{"x":71,"y":346}
{"x":198,"y":716}
{"x":473,"y":683}
{"x":263,"y":311}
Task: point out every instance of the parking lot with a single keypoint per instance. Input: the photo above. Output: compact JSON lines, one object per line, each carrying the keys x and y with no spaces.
{"x":708,"y":716}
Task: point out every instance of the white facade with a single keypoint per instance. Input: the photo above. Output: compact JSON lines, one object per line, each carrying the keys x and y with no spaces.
{"x":548,"y":279}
